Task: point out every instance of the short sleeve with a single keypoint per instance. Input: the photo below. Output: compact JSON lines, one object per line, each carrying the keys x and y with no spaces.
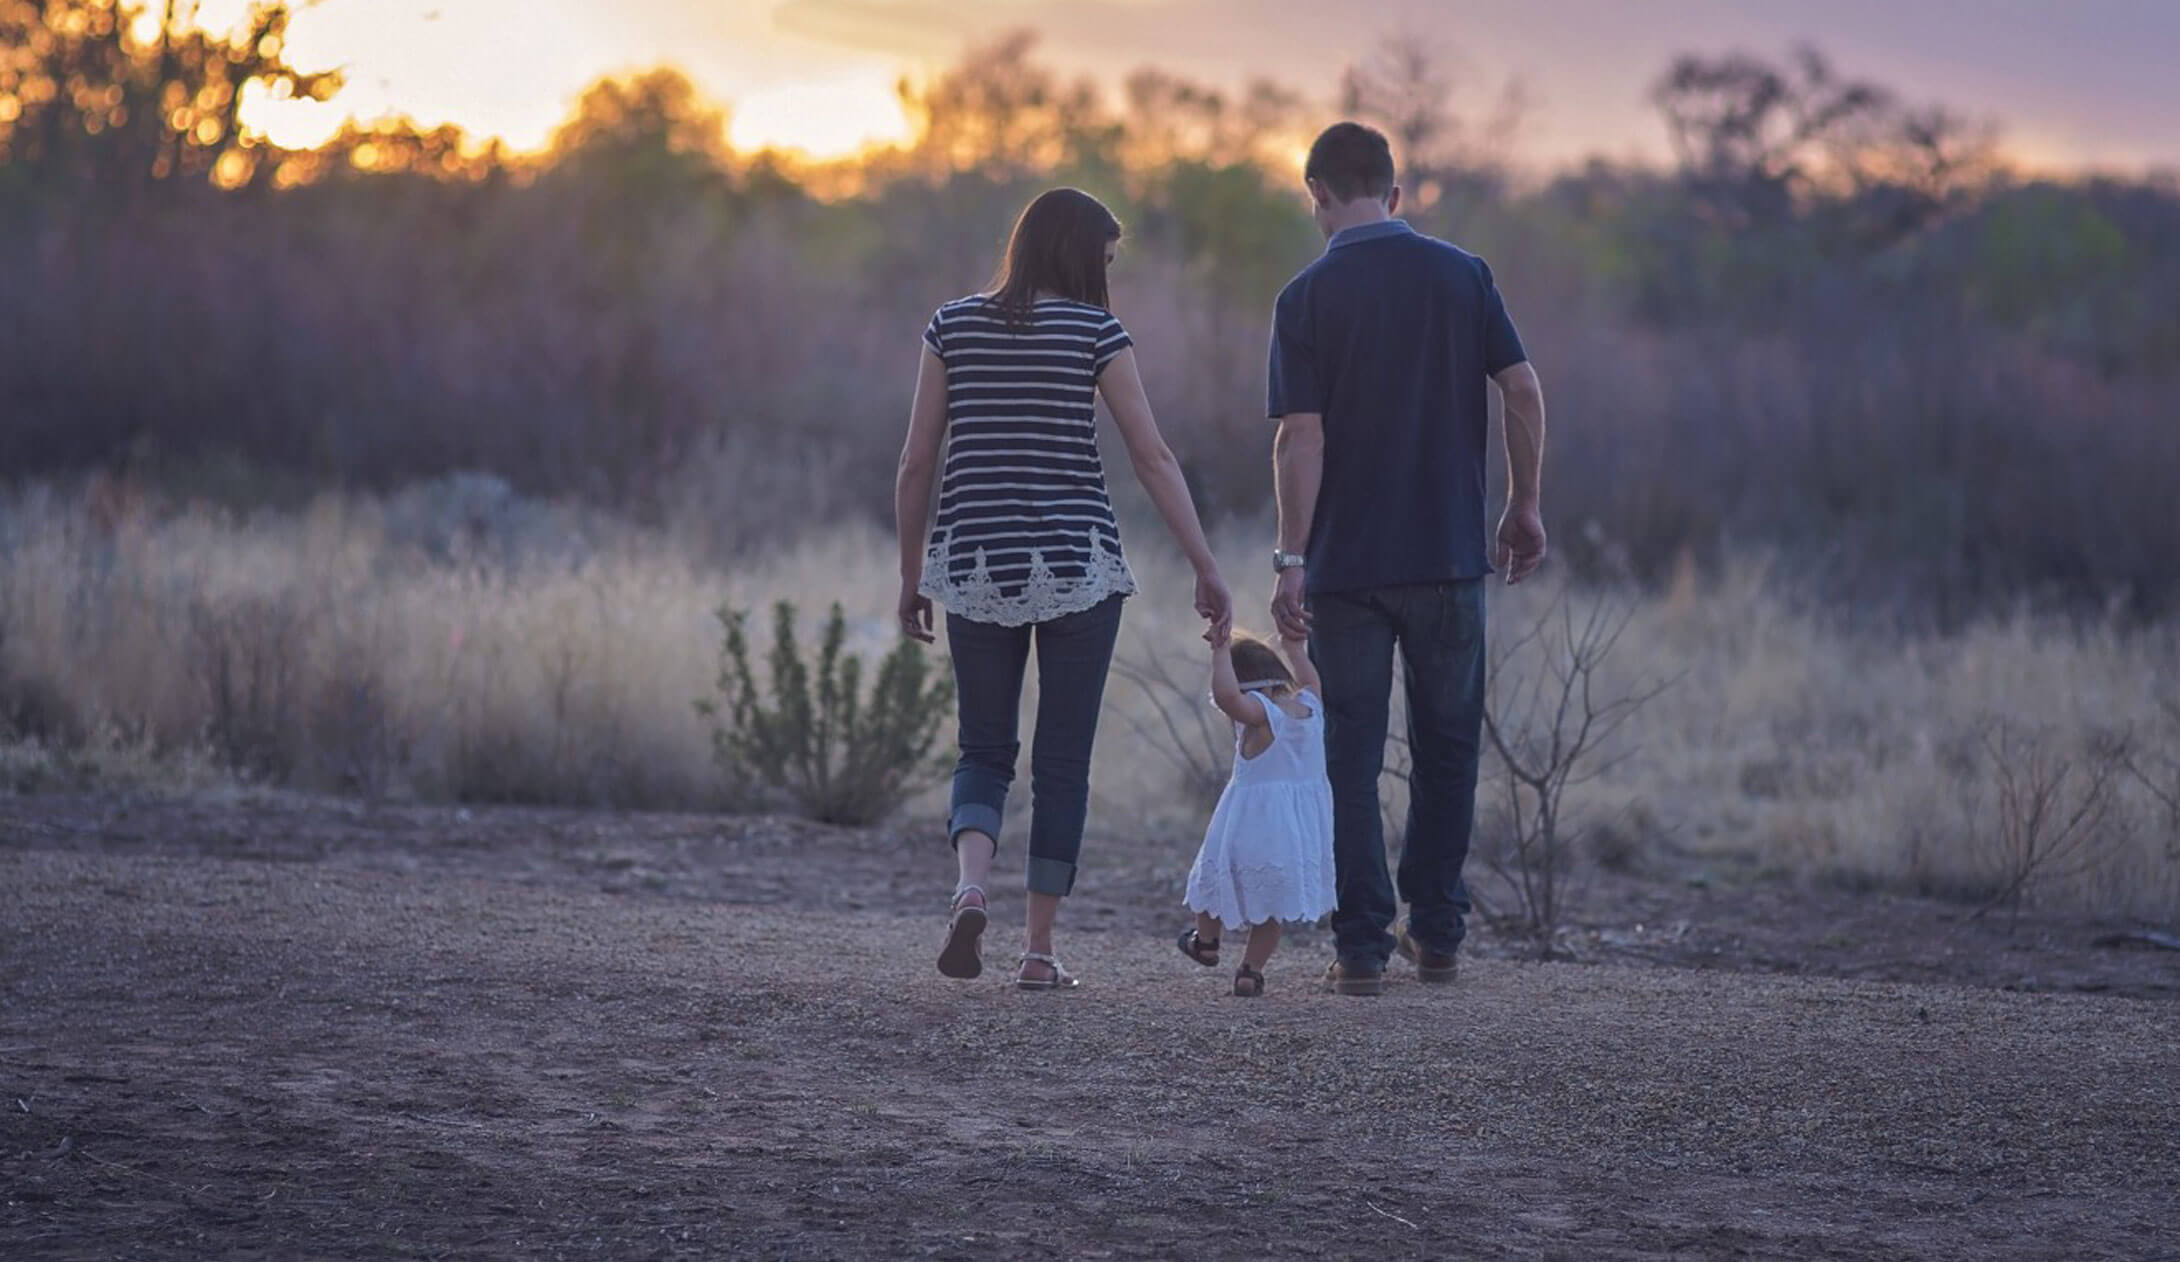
{"x":1502,"y":344}
{"x":1264,"y":709}
{"x":934,"y":331}
{"x":1112,"y":340}
{"x":1292,"y":381}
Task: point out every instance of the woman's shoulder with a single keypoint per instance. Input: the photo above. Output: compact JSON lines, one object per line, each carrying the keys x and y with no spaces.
{"x":967,"y":304}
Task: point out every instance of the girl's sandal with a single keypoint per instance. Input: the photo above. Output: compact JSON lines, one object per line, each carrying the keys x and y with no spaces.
{"x":1204,"y":951}
{"x":1061,"y":979}
{"x":963,"y":954}
{"x":1248,"y":983}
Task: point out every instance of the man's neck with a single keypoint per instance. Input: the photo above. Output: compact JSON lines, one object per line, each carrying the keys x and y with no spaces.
{"x":1355,"y":214}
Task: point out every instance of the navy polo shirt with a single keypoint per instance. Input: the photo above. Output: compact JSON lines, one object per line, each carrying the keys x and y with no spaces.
{"x":1392,"y":335}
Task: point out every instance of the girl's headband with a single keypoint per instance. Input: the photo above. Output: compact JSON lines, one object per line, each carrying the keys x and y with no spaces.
{"x":1255,"y":684}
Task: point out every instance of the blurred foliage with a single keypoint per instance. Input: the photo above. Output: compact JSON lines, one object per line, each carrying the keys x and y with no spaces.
{"x":1839,"y":326}
{"x":101,"y":97}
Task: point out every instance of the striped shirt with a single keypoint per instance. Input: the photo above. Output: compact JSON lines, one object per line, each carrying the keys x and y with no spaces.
{"x":1024,"y":531}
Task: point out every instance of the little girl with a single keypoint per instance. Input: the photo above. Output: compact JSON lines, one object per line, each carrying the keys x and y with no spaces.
{"x":1267,"y":856}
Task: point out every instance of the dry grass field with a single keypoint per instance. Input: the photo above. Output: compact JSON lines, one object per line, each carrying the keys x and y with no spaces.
{"x":467,"y":647}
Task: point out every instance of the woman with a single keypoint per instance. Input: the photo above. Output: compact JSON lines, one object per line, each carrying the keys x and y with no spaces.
{"x":1023,"y":549}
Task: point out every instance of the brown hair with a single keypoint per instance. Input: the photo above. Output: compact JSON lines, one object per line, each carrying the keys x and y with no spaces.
{"x":1352,"y":161}
{"x":1255,"y":659}
{"x":1058,"y":247}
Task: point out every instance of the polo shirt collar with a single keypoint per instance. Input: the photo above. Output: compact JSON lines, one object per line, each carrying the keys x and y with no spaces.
{"x":1369,"y":232}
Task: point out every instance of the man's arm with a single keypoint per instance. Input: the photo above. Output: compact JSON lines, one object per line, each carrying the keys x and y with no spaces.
{"x":1521,"y":544}
{"x":1298,"y":469}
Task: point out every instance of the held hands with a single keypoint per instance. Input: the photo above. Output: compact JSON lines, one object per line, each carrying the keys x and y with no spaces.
{"x":914,"y":612}
{"x":1214,"y":604}
{"x":1521,"y":542}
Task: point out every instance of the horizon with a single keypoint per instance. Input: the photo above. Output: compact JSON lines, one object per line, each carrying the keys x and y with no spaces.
{"x":816,"y":78}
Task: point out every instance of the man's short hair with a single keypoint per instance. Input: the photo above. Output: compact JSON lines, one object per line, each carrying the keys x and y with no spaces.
{"x":1352,"y":161}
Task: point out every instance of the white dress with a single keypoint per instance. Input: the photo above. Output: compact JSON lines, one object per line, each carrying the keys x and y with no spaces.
{"x":1268,"y":852}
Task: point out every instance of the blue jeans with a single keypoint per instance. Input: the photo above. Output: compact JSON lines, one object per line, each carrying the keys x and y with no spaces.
{"x":1073,"y":655}
{"x":1439,"y":628}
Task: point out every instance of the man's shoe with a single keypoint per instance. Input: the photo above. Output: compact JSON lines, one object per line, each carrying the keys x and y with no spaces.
{"x":1343,"y":980}
{"x":1438,"y":968}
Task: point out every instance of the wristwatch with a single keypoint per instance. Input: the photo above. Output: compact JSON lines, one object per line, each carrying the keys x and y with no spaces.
{"x":1287,"y":560}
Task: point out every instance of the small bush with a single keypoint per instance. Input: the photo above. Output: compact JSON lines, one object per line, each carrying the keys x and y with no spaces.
{"x":2050,"y":808}
{"x":842,"y":759}
{"x":1546,"y":722}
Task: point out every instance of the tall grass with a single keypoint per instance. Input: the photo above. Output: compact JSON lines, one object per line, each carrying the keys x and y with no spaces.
{"x":523,"y":653}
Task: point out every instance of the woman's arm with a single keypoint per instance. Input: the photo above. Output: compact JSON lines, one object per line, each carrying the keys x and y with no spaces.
{"x":1160,"y":473}
{"x":1226,"y":690}
{"x":912,"y":485}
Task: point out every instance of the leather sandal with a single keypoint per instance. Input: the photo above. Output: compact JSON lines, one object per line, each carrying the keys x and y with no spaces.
{"x":1061,"y":979}
{"x":1203,"y":950}
{"x":963,"y":954}
{"x":1248,"y":983}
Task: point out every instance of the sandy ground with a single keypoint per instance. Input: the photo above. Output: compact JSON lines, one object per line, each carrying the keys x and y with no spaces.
{"x":274,"y":1027}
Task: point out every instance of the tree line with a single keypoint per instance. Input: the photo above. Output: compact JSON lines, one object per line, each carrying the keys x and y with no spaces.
{"x":1838,"y":326}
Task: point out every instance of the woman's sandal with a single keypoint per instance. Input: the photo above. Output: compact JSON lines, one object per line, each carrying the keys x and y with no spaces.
{"x":1248,"y":983}
{"x":1061,"y":979}
{"x":1204,"y":951}
{"x":963,"y":954}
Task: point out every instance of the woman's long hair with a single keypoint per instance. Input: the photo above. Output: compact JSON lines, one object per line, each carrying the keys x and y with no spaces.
{"x":1058,"y":248}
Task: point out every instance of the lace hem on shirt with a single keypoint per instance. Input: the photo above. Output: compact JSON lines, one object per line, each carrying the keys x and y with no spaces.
{"x":1041,"y":598}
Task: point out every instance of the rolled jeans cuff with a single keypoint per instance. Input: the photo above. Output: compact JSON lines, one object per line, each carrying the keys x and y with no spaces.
{"x":973,"y":817}
{"x":1051,"y":876}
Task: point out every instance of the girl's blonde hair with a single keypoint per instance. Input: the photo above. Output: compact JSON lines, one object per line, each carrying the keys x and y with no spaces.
{"x":1256,"y":660}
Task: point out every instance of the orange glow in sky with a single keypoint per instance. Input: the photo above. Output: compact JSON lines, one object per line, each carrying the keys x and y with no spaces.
{"x":2080,"y":84}
{"x":513,"y":68}
{"x":822,"y":118}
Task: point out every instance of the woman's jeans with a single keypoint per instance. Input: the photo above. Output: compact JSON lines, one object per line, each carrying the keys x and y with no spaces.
{"x":1073,"y":654}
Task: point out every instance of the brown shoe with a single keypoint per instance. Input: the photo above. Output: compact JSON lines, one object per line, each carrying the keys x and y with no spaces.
{"x":1342,"y":980}
{"x":1438,"y":968}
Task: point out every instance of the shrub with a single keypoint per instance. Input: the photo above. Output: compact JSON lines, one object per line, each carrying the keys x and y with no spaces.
{"x":843,"y":760}
{"x":2050,"y":809}
{"x":1546,"y":723}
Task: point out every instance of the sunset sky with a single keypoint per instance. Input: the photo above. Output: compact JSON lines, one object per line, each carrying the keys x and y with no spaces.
{"x":2090,"y":83}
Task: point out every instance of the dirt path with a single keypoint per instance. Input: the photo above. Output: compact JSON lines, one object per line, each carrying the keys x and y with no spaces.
{"x":250,"y":1030}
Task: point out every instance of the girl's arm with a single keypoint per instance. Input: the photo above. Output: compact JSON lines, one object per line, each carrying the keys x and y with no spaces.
{"x":912,"y":489}
{"x":1160,"y":473}
{"x":1226,"y":690}
{"x":1298,"y":661}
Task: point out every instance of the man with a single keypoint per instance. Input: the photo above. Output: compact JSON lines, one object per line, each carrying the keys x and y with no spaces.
{"x":1380,"y":353}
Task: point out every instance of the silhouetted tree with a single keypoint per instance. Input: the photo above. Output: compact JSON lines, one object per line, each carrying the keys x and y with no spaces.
{"x":1751,"y":136}
{"x":1006,"y":116}
{"x":1407,"y":85}
{"x":1759,"y":142}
